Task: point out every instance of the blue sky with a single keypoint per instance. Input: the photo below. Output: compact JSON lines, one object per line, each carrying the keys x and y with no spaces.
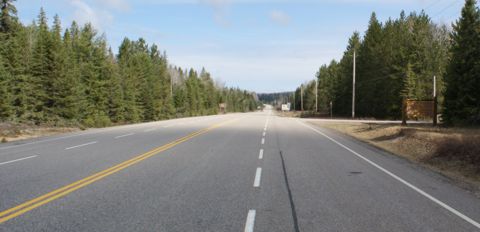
{"x":259,"y":45}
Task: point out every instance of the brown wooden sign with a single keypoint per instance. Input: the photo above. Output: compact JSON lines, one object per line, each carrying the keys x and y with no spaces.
{"x":419,"y":109}
{"x":223,"y":108}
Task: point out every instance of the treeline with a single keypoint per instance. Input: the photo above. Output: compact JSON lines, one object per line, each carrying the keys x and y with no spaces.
{"x":274,"y":98}
{"x":55,"y":76}
{"x":394,"y":60}
{"x":398,"y":60}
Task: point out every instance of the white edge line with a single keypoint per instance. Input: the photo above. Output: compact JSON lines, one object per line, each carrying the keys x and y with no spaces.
{"x":11,"y":161}
{"x":430,"y":197}
{"x":81,"y":145}
{"x":121,"y":136}
{"x":249,"y":224}
{"x":258,"y":177}
{"x":260,"y":155}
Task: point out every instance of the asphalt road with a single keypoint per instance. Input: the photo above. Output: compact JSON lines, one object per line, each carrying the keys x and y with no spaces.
{"x":236,"y":172}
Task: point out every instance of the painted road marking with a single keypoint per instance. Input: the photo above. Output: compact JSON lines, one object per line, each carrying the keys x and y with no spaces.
{"x":263,"y":140}
{"x":81,"y":145}
{"x":408,"y":184}
{"x":121,"y":136}
{"x":12,"y":161}
{"x":250,"y":221}
{"x":149,"y":130}
{"x":67,"y":189}
{"x":264,"y":133}
{"x":258,"y":177}
{"x":260,"y":155}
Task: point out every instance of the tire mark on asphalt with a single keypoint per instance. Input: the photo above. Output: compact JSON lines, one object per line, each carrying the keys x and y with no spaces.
{"x":290,"y":197}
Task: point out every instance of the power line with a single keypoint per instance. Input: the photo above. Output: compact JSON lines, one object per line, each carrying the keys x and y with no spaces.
{"x":446,"y":8}
{"x":432,"y":4}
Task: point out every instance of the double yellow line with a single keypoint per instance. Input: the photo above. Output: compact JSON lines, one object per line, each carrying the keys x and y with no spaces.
{"x":65,"y":190}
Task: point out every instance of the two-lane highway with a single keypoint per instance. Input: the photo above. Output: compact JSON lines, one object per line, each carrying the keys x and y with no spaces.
{"x":237,"y":172}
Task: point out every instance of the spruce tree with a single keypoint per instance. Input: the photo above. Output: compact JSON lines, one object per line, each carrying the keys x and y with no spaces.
{"x":462,"y":98}
{"x":41,"y":70}
{"x":369,"y":72}
{"x":8,"y":16}
{"x":5,"y":98}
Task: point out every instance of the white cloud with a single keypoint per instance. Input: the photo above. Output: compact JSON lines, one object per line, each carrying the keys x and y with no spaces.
{"x":121,"y":5}
{"x":220,"y":10}
{"x":84,"y":13}
{"x":279,"y":17}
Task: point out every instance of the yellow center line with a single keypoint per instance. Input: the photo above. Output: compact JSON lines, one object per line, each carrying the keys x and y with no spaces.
{"x":65,"y":190}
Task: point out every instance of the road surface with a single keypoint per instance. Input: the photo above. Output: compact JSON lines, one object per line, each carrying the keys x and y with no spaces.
{"x":237,"y":172}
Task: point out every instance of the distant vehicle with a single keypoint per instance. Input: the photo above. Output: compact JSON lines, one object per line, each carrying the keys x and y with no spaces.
{"x":285,"y":107}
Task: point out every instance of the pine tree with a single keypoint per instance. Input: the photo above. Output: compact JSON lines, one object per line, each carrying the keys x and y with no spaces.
{"x":369,"y":72}
{"x":5,"y":98}
{"x":41,"y":70}
{"x":462,"y":98}
{"x":69,"y":99}
{"x":8,"y":16}
{"x":75,"y":78}
{"x":115,"y":100}
{"x":343,"y":101}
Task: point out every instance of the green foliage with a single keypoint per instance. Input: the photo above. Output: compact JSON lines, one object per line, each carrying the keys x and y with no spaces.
{"x":8,"y":16}
{"x":462,"y":95}
{"x":58,"y":77}
{"x":396,"y":59}
{"x":5,"y":98}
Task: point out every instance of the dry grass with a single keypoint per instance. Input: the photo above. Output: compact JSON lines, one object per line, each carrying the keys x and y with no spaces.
{"x":452,"y":151}
{"x":14,"y":131}
{"x":295,"y":114}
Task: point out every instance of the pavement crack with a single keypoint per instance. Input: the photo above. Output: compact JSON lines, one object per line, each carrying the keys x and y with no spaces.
{"x":292,"y":203}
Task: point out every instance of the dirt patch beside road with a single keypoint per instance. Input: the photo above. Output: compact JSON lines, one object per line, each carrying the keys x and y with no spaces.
{"x":13,"y":131}
{"x":451,"y":151}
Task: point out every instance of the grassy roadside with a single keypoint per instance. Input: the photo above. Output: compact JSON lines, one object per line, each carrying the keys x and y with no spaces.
{"x":18,"y":131}
{"x":453,"y":152}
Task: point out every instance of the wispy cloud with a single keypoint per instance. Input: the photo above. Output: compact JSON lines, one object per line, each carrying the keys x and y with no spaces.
{"x":220,"y":10}
{"x":120,"y":5}
{"x":279,"y":17}
{"x":84,"y":13}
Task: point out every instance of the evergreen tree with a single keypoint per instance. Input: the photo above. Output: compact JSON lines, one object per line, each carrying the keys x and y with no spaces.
{"x":75,"y":78}
{"x":41,"y":70}
{"x":462,"y":98}
{"x":5,"y":98}
{"x":343,"y":102}
{"x":8,"y":16}
{"x":370,"y":70}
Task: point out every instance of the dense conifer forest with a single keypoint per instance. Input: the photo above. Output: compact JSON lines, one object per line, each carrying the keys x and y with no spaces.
{"x":398,"y":59}
{"x":57,"y":75}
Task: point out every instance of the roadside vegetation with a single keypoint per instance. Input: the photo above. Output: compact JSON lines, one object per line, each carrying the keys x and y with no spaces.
{"x":397,"y":60}
{"x":71,"y":78}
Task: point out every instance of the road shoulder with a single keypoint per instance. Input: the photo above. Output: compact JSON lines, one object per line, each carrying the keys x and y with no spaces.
{"x":406,"y":145}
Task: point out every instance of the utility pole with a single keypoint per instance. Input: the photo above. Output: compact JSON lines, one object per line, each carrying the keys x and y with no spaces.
{"x":301,"y":97}
{"x":434,"y":100}
{"x":353,"y":84}
{"x":316,"y":95}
